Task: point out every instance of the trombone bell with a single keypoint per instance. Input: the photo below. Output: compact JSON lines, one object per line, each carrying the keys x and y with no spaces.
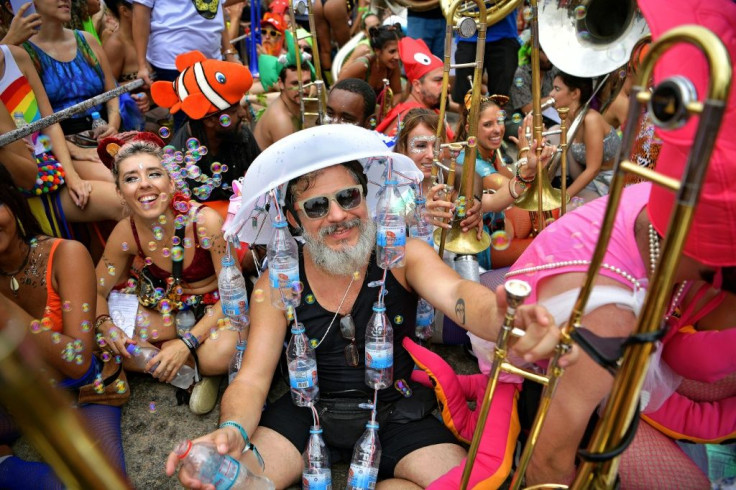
{"x":463,"y":243}
{"x":551,"y":197}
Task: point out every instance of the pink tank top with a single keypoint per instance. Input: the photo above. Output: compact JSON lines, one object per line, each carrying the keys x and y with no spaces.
{"x":567,"y":244}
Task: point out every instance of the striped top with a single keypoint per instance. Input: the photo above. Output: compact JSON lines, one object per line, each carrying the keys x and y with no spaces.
{"x":17,"y":95}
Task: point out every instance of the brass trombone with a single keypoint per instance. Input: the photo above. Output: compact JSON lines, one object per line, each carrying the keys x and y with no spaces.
{"x":623,"y":401}
{"x":459,"y":242}
{"x":671,"y":105}
{"x":302,"y":7}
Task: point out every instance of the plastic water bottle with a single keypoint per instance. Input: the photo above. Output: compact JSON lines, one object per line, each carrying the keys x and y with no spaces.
{"x":316,"y":474}
{"x":185,"y":320}
{"x":425,"y":320}
{"x":203,"y":462}
{"x":420,"y":227}
{"x":97,"y":121}
{"x":142,"y":354}
{"x":391,"y":233}
{"x":283,"y":268}
{"x":233,"y":295}
{"x":236,"y":361}
{"x":379,"y":349}
{"x":302,"y":362}
{"x":20,"y":122}
{"x":363,"y":472}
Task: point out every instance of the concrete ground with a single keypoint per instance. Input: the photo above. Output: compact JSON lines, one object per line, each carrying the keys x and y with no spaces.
{"x":152,"y":424}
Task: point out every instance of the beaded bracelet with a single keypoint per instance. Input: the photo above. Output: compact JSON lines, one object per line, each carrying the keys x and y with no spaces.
{"x":518,"y":174}
{"x":246,"y":440}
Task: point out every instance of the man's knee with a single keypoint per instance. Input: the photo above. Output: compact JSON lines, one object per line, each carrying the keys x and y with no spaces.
{"x":424,"y":465}
{"x":283,"y":461}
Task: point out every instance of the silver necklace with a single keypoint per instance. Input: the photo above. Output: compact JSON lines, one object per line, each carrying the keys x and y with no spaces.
{"x":337,"y":312}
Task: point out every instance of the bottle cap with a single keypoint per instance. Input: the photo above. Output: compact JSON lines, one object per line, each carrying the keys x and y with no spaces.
{"x":379,"y":308}
{"x":280,"y":224}
{"x":227,"y":261}
{"x":183,"y":449}
{"x":240,"y":345}
{"x":95,"y":115}
{"x":371,"y":425}
{"x":132,"y":349}
{"x":315,"y":429}
{"x":298,"y":328}
{"x":392,"y":182}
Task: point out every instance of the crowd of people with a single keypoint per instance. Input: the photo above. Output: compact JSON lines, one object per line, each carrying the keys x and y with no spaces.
{"x":116,"y":222}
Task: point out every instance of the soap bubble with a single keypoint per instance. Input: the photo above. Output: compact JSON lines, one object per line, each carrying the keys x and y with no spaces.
{"x":500,"y":240}
{"x":193,"y":144}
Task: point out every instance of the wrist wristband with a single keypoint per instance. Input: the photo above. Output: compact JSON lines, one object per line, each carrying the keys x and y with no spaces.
{"x":190,"y":341}
{"x":246,"y":440}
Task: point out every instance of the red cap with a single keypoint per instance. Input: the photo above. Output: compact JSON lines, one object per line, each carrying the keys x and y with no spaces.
{"x":418,"y":60}
{"x":276,"y":20}
{"x":713,"y":231}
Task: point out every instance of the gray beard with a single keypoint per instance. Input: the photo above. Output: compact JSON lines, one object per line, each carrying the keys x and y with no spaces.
{"x":347,"y":260}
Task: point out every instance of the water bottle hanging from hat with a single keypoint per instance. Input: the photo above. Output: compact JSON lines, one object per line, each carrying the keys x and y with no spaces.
{"x":391,"y":232}
{"x":283,"y":267}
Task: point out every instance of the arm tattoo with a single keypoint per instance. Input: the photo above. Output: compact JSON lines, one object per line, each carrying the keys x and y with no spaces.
{"x":460,"y":311}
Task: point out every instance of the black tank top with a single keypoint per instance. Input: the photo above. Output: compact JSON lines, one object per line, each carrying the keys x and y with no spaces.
{"x":333,"y":371}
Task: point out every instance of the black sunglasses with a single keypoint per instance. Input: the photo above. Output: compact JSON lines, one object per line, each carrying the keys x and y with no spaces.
{"x":347,"y":330}
{"x":318,"y":206}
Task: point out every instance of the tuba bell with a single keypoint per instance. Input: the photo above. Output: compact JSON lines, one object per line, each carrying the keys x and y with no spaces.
{"x":586,"y":38}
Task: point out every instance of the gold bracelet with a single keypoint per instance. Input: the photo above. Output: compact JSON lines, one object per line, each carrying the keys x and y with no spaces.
{"x":100,"y":320}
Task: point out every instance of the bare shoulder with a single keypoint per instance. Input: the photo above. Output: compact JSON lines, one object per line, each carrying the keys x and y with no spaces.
{"x":210,"y":219}
{"x":112,"y":42}
{"x":20,"y":56}
{"x":71,"y":252}
{"x":122,"y":237}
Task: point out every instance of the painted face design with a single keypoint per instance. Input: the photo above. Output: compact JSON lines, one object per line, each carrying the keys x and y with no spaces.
{"x":420,"y":144}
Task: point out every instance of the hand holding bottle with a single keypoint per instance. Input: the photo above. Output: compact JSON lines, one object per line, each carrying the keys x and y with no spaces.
{"x":169,"y":361}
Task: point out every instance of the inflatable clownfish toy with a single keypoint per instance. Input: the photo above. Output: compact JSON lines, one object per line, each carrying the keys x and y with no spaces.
{"x":203,"y":86}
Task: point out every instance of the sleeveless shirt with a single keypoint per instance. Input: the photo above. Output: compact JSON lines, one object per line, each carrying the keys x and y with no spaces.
{"x":333,"y":371}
